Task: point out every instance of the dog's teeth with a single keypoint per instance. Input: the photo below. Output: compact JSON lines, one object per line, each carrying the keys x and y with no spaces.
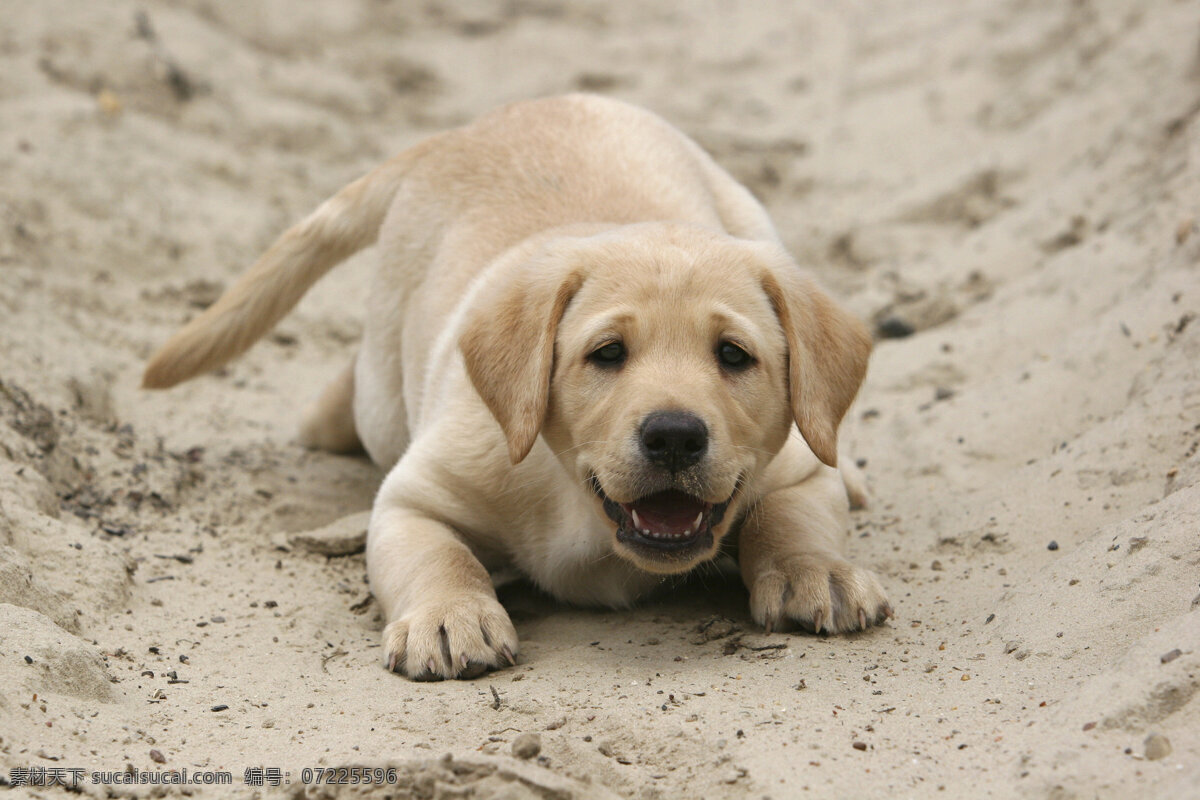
{"x":637,"y":522}
{"x":696,"y":524}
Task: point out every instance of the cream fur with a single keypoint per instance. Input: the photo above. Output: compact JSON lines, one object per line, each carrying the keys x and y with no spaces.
{"x":507,"y":249}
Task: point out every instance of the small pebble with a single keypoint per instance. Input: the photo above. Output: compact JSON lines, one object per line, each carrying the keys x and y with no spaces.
{"x":157,"y":757}
{"x":220,"y":707}
{"x":894,"y":327}
{"x":1184,"y":230}
{"x":527,"y":745}
{"x":1157,"y":746}
{"x":860,"y":745}
{"x":28,"y":660}
{"x":1052,"y":546}
{"x":1167,"y":658}
{"x":108,"y":102}
{"x":218,"y":620}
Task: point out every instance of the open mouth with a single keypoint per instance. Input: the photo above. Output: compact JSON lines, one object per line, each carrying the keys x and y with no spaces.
{"x":669,"y":521}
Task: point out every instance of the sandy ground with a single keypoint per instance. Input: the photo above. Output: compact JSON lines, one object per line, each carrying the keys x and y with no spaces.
{"x":1016,"y":182}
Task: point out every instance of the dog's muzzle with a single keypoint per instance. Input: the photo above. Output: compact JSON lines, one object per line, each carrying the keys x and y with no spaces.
{"x":669,"y":524}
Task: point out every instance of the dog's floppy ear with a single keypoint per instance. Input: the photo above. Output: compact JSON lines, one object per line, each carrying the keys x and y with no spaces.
{"x":508,"y":345}
{"x":828,"y":350}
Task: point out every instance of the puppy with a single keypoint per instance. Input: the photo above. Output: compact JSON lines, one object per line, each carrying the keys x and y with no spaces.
{"x":587,"y":356}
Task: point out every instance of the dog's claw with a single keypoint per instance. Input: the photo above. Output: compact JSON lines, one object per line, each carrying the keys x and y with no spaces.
{"x":823,"y":595}
{"x":472,"y":669}
{"x":888,"y":612}
{"x":460,"y":638}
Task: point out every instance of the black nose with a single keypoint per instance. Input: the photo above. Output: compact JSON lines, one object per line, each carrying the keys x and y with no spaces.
{"x":674,"y":439}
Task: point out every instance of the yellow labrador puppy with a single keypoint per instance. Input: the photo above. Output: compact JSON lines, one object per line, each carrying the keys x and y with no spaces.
{"x":586,"y":356}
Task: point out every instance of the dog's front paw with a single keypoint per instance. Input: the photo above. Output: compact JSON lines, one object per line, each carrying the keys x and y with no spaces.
{"x":821,"y":593}
{"x":459,"y":637}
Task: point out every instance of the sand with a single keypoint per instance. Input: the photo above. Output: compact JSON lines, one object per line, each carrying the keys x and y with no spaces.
{"x":1013,"y":184}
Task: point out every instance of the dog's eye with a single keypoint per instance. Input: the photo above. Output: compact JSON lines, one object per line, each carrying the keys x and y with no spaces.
{"x":732,"y":356}
{"x":610,"y":355}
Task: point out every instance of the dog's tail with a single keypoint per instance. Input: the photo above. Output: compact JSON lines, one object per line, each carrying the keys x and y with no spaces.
{"x":343,"y":225}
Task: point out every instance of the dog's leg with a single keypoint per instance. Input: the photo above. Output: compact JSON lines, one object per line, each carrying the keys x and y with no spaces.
{"x":791,"y":557}
{"x":329,"y":422}
{"x":443,"y":618}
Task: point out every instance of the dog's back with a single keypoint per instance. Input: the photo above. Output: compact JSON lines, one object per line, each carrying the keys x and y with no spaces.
{"x":472,"y":193}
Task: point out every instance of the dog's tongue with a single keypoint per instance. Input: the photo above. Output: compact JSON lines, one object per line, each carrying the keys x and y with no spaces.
{"x":671,"y":513}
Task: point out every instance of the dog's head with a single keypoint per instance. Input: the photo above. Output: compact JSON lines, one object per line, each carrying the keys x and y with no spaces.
{"x":664,"y":365}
